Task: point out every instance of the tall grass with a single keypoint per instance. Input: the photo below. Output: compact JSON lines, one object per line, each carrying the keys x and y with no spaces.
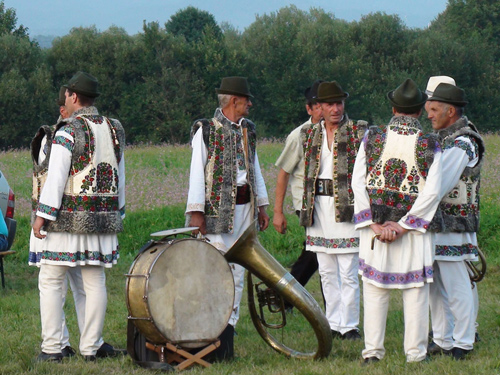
{"x":157,"y":183}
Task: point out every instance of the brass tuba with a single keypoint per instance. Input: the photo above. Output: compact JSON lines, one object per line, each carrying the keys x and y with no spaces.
{"x":477,"y":270}
{"x":249,"y":253}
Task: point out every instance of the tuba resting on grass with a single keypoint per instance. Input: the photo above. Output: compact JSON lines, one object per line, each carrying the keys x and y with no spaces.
{"x":279,"y":285}
{"x":477,"y":270}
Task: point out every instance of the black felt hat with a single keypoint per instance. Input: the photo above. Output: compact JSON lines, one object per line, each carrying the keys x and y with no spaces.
{"x":447,"y":93}
{"x":407,"y":98}
{"x":83,"y":83}
{"x":234,"y":86}
{"x":331,"y":92}
{"x":311,"y":93}
{"x":61,"y":99}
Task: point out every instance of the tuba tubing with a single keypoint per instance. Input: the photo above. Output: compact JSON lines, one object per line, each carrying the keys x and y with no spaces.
{"x":477,"y":270}
{"x":249,"y":253}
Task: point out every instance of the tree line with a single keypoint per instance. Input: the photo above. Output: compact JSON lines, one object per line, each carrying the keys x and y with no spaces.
{"x":159,"y":81}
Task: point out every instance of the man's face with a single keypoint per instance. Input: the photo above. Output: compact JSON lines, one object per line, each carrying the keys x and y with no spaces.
{"x":315,"y":111}
{"x":69,"y":103}
{"x":63,"y":112}
{"x":242,"y":106}
{"x":439,"y":114}
{"x":333,"y":112}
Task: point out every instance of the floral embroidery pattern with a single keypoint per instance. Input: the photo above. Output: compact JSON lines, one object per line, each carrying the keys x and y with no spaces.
{"x":65,"y":142}
{"x":107,"y":179}
{"x":89,"y":146}
{"x":465,"y":146}
{"x":393,"y":278}
{"x":456,"y":251}
{"x":89,"y":203}
{"x":88,"y":181}
{"x":216,"y":152}
{"x":52,"y":211}
{"x":362,"y":216}
{"x":87,"y":256}
{"x":416,"y":222}
{"x":394,"y":173}
{"x":240,"y":156}
{"x":333,"y":243}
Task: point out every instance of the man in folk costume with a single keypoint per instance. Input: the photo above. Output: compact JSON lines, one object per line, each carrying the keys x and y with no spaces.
{"x":396,"y":183}
{"x":79,"y":213}
{"x":292,"y":171}
{"x":326,"y":151}
{"x":455,"y":223}
{"x":226,"y":188}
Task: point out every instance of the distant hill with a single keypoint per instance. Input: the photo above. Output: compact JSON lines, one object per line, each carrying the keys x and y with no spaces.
{"x":44,"y":41}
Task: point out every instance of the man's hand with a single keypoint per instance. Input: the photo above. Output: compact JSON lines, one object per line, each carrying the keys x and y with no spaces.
{"x":37,"y":226}
{"x":198,"y":220}
{"x":279,"y":222}
{"x":263,"y":218}
{"x":397,"y":230}
{"x":388,"y":232}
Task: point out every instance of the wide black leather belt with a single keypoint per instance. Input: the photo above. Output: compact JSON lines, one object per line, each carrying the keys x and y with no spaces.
{"x":324,"y":187}
{"x":243,"y":194}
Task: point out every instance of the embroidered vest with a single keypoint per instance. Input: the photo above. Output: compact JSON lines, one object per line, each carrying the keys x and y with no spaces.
{"x":220,"y":137}
{"x":459,"y":209}
{"x":90,"y":200}
{"x":345,"y":147}
{"x":394,"y":176}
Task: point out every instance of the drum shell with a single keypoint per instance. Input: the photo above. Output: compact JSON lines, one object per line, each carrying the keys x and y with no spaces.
{"x":180,"y":291}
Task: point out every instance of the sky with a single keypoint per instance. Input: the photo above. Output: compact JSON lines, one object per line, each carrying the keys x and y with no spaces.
{"x":58,"y":17}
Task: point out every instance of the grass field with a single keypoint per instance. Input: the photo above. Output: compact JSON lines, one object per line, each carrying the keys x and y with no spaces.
{"x":157,"y":184}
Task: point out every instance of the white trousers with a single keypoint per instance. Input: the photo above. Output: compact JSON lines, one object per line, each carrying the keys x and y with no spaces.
{"x":340,"y":282}
{"x":243,"y":216}
{"x":51,"y":281}
{"x":416,"y":318}
{"x":75,"y":280}
{"x":452,"y":306}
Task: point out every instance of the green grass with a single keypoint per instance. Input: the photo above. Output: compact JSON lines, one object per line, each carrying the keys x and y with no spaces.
{"x":19,"y":301}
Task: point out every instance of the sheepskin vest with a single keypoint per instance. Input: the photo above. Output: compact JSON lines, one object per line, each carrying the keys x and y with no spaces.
{"x":90,"y":200}
{"x":459,"y":209}
{"x":223,"y":140}
{"x":395,"y":176}
{"x":345,"y":147}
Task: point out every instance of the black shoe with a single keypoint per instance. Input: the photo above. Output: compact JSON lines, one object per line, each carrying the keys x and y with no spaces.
{"x":435,"y":349}
{"x":370,"y":360}
{"x":336,"y":334}
{"x":68,"y":351}
{"x":459,"y":354}
{"x":107,"y":350}
{"x":476,"y":337}
{"x":90,"y":358}
{"x":49,"y":357}
{"x":353,"y":334}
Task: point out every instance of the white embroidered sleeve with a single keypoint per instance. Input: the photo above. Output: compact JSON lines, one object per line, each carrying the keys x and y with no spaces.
{"x":424,"y":208}
{"x":196,"y":194}
{"x":262,"y":198}
{"x":362,"y":209}
{"x":57,"y":176}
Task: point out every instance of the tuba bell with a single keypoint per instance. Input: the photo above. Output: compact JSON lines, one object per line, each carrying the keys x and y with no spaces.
{"x":477,"y":270}
{"x":280,"y":284}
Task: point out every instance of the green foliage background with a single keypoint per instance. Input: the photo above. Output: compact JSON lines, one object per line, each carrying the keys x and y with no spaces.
{"x":160,"y":80}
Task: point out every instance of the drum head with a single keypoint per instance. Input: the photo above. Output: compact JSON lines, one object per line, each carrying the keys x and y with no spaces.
{"x":191,"y":293}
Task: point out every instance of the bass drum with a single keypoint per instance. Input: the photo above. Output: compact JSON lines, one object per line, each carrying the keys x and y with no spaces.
{"x":180,"y":291}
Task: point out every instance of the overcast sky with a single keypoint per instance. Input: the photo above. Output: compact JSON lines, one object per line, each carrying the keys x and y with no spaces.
{"x":57,"y":17}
